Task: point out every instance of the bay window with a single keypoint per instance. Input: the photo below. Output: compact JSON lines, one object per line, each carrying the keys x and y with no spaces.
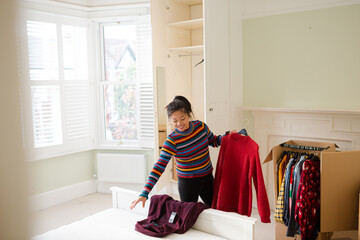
{"x":85,"y":91}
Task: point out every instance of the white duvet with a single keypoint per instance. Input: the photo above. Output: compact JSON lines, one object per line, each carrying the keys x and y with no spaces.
{"x":112,"y":224}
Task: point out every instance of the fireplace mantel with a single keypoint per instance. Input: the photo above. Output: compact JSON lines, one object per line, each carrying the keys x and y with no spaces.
{"x":273,"y":126}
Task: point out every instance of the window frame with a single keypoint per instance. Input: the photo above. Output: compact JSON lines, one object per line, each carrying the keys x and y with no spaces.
{"x":67,"y":146}
{"x":91,"y":21}
{"x":101,"y":82}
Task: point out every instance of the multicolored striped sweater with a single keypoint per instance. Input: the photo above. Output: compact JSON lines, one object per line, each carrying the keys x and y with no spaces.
{"x":191,"y":152}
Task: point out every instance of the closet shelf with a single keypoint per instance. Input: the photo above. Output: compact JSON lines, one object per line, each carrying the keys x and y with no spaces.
{"x":189,"y":2}
{"x":189,"y":49}
{"x":189,"y":24}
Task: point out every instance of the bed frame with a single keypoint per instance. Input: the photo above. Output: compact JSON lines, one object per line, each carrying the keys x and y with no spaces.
{"x":222,"y":224}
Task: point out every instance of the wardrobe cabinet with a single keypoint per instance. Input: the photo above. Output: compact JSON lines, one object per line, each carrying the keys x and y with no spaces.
{"x":191,"y":42}
{"x":185,"y":51}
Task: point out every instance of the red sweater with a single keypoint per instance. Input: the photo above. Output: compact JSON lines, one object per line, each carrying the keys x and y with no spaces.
{"x":238,"y":165}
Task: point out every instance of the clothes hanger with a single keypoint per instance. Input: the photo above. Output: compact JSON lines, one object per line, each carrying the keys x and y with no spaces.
{"x":243,"y":131}
{"x":199,"y":62}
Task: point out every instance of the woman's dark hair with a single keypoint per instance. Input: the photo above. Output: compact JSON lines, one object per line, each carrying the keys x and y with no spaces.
{"x":179,"y":103}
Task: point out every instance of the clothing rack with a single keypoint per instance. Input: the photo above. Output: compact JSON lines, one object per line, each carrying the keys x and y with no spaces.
{"x":332,"y":163}
{"x":301,"y":147}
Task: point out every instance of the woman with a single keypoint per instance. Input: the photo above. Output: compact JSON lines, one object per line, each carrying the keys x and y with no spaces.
{"x":189,"y":144}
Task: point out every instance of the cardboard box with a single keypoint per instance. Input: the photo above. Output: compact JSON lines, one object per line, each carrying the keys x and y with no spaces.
{"x":339,"y":186}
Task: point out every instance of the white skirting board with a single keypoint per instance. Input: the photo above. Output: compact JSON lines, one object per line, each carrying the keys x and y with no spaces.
{"x":61,"y":195}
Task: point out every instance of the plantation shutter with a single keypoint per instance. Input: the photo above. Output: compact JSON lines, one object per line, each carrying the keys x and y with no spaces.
{"x":59,"y":87}
{"x":43,"y":51}
{"x":145,"y":79}
{"x":44,"y":82}
{"x":46,"y":116}
{"x":76,"y":88}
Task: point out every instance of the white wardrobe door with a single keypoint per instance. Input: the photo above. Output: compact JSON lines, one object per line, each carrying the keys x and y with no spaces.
{"x":217,"y":72}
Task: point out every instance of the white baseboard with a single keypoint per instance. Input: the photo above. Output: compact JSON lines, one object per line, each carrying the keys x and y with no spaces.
{"x":61,"y":195}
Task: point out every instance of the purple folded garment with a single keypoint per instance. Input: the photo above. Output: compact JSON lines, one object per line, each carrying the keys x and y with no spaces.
{"x":167,"y":215}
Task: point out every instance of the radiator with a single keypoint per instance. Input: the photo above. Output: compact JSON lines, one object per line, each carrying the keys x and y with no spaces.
{"x":121,"y":168}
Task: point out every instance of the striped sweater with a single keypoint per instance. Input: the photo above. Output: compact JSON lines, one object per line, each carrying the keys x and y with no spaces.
{"x":191,"y":152}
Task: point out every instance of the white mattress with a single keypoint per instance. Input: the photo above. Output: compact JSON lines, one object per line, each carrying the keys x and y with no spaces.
{"x":112,"y":224}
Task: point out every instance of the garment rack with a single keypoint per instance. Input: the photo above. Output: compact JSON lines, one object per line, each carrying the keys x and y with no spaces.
{"x":301,"y":147}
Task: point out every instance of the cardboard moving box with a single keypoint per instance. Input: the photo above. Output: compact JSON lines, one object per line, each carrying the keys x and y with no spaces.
{"x":339,"y":186}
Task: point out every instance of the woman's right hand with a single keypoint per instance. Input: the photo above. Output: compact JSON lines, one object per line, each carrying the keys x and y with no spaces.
{"x":140,"y":199}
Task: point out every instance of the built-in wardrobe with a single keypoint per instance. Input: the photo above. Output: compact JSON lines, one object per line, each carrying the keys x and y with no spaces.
{"x":191,"y":57}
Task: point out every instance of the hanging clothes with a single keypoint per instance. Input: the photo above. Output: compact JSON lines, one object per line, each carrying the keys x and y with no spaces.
{"x":279,"y":208}
{"x":287,"y":190}
{"x":281,"y":170}
{"x":307,"y":209}
{"x":298,"y":202}
{"x":293,"y":225}
{"x":238,"y":165}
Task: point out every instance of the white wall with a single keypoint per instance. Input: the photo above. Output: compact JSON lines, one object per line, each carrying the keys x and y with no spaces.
{"x":306,"y":60}
{"x":260,"y":8}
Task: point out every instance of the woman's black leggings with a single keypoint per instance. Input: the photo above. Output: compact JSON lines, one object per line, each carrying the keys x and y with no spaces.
{"x":191,"y":188}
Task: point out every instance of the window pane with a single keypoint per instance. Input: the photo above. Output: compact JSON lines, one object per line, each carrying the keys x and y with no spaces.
{"x":46,"y":115}
{"x":42,"y":47}
{"x":120,"y":52}
{"x":120,"y":112}
{"x":74,"y":52}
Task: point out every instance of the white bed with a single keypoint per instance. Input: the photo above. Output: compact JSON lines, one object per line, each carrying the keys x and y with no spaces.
{"x":119,"y":223}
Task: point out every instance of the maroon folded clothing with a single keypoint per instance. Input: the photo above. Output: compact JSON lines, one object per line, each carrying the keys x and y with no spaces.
{"x":167,"y":215}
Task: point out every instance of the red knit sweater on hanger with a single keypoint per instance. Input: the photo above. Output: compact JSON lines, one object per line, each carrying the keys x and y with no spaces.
{"x":237,"y":167}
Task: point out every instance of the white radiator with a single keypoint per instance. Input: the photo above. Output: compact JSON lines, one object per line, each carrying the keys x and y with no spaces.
{"x":121,"y":168}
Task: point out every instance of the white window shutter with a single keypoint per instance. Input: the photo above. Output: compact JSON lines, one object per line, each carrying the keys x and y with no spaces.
{"x":76,"y":89}
{"x":74,"y":40}
{"x":43,"y":51}
{"x":44,"y":78}
{"x":146,"y":105}
{"x":77,"y":112}
{"x":46,"y":116}
{"x":60,"y":87}
{"x":145,"y":80}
